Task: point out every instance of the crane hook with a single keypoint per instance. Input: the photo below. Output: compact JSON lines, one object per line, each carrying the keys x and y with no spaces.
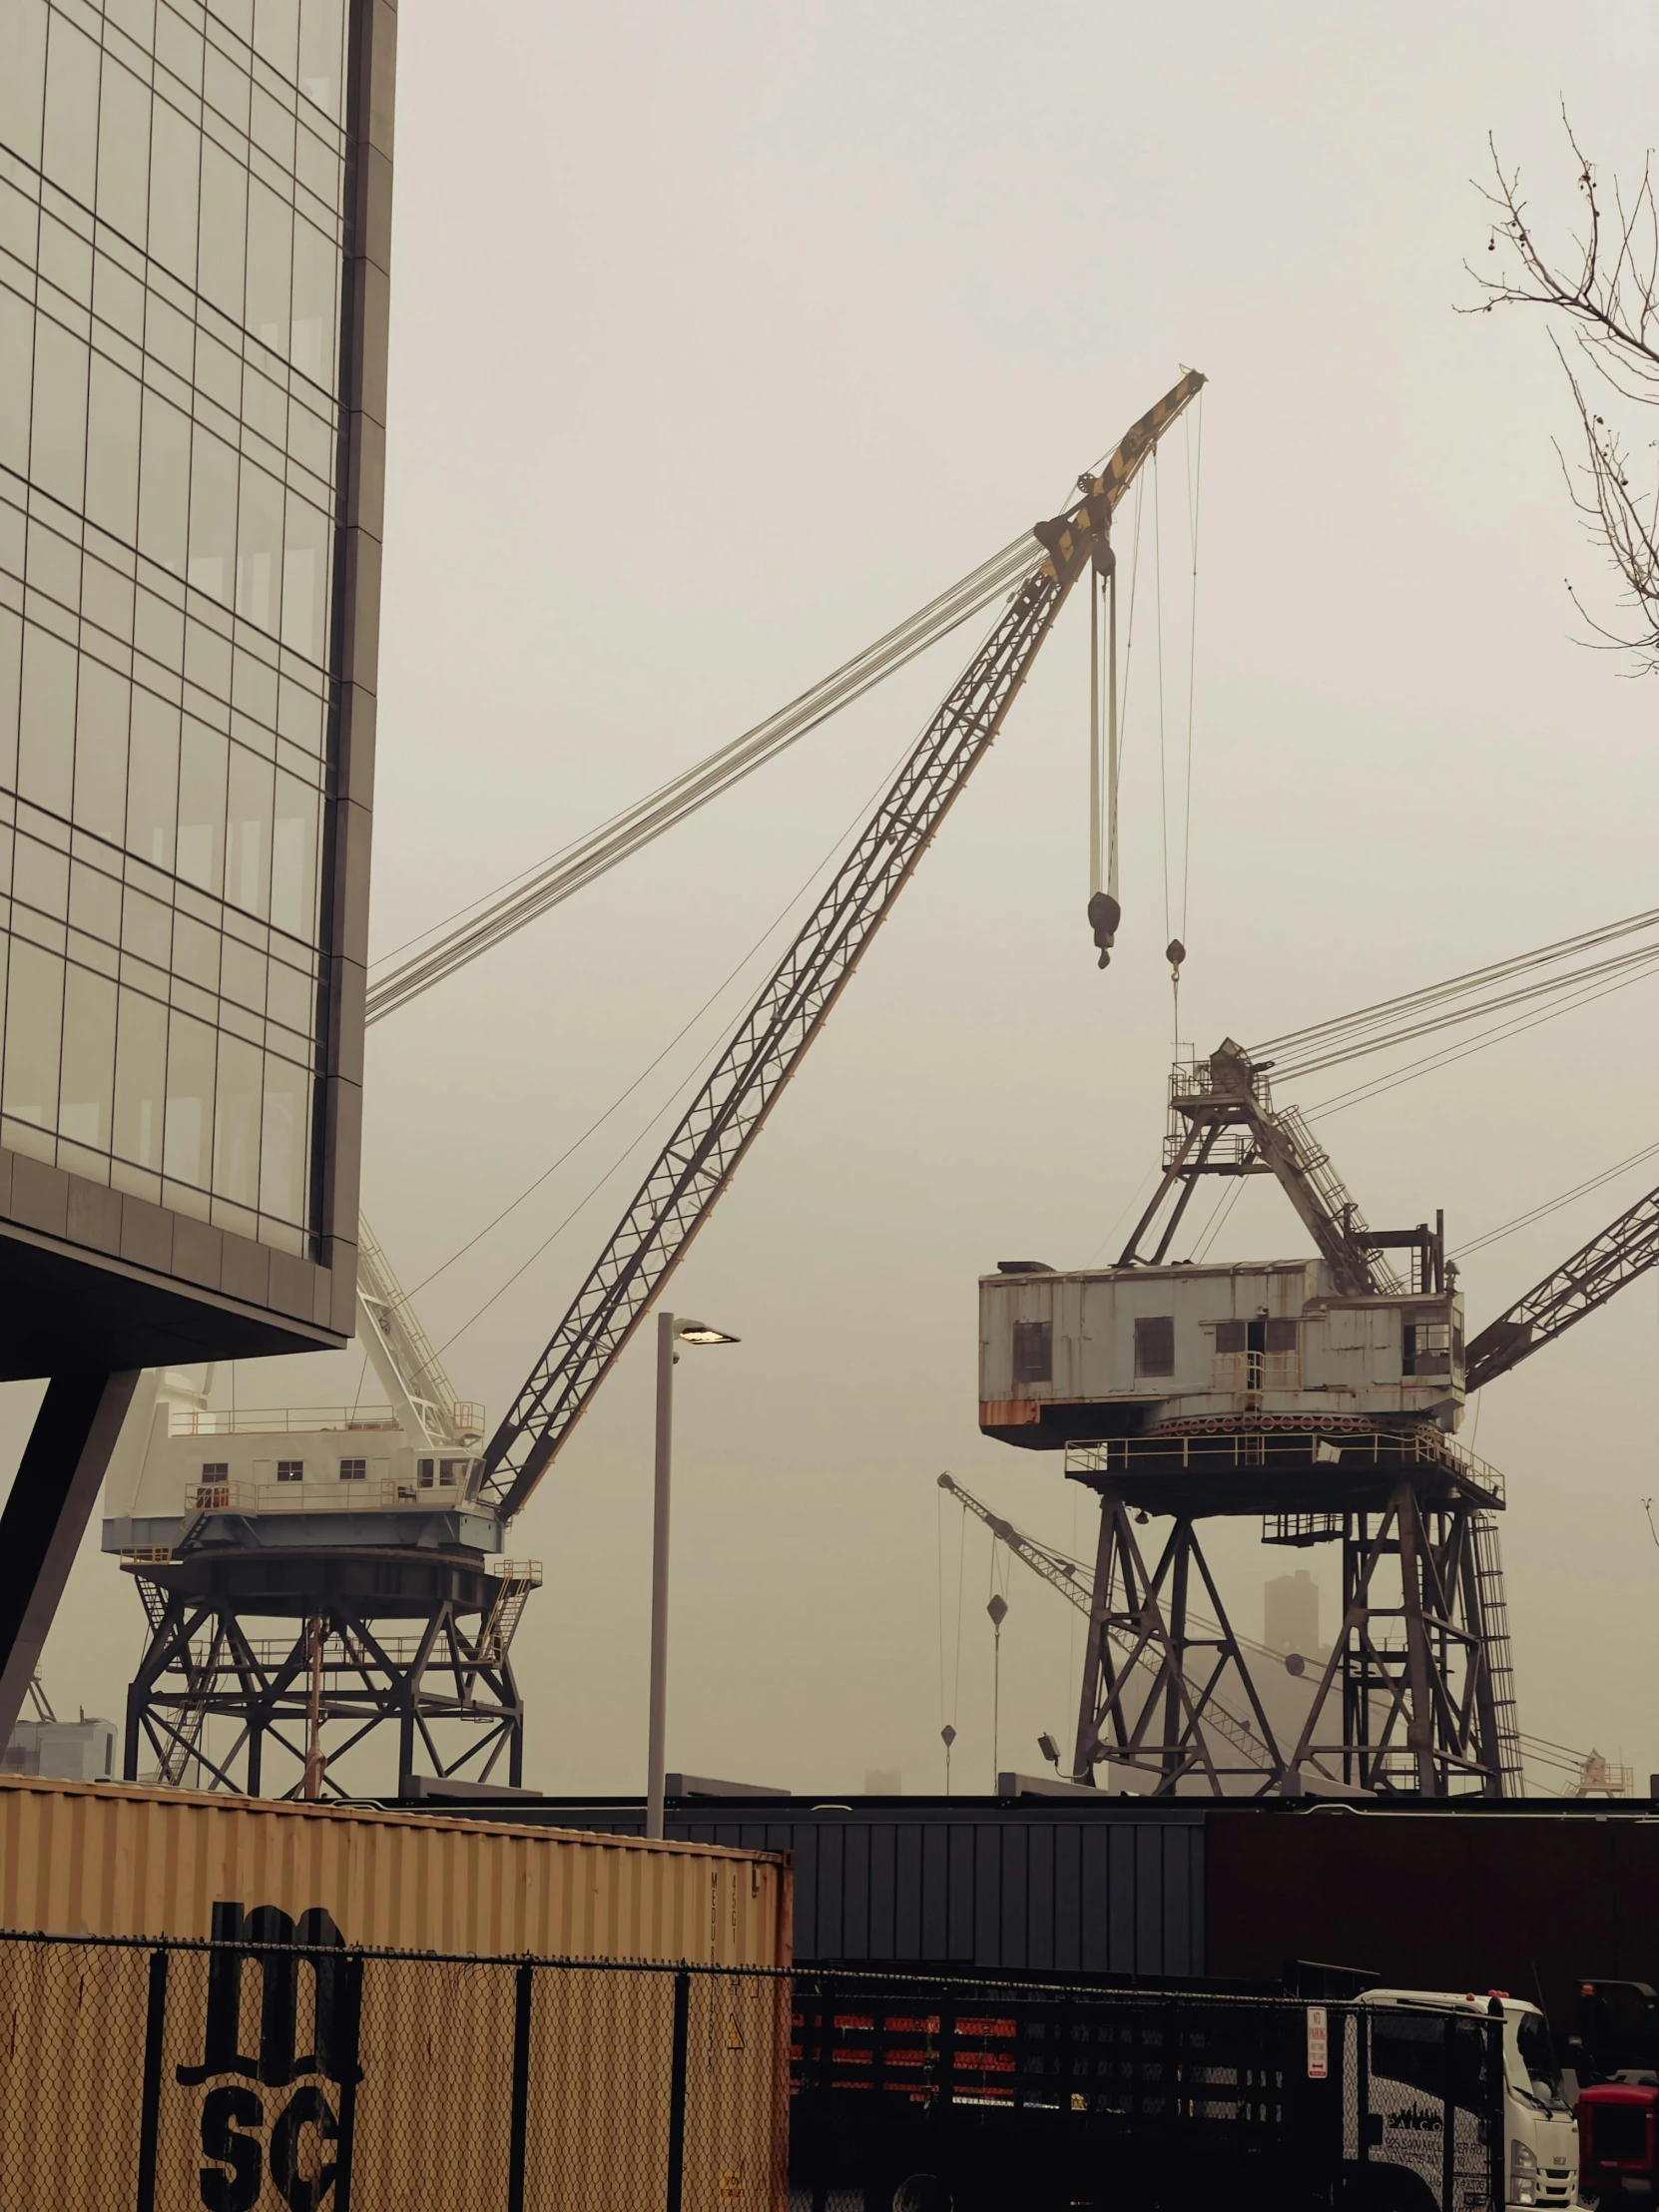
{"x":1104,"y":917}
{"x":1175,"y":952}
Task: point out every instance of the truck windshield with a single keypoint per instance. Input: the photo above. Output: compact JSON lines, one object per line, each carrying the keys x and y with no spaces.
{"x":1534,"y":2066}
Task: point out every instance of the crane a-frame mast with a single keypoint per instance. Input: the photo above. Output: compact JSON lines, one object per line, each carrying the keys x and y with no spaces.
{"x":724,"y":1118}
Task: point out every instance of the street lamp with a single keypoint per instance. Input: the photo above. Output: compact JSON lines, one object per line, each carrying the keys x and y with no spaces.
{"x":672,"y":1329}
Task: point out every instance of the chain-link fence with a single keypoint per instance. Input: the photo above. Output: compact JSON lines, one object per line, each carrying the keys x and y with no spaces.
{"x":284,"y":2069}
{"x":274,"y":2065}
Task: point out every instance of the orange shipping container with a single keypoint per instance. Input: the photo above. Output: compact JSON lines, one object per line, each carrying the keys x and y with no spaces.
{"x":102,"y":1859}
{"x":256,"y":2079}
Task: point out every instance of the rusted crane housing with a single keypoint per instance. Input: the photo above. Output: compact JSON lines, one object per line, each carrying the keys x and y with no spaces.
{"x":1118,"y":1350}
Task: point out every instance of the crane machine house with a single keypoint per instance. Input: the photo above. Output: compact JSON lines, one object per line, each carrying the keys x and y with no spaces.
{"x":1302,"y":1366}
{"x":399,"y":1474}
{"x":1117,"y":1352}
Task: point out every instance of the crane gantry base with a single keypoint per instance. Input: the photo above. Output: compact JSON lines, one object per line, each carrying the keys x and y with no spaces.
{"x":1415,"y":1697}
{"x":426,"y":1655}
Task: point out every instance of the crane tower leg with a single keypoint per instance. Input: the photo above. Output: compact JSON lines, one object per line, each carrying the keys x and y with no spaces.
{"x":1165,"y":1693}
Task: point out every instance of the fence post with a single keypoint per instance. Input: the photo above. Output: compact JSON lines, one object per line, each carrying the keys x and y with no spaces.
{"x":346,"y":2030}
{"x":150,"y":2097}
{"x":523,"y":1994}
{"x":677,"y":2090}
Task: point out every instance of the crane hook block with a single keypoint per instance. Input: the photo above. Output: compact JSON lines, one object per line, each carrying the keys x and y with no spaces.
{"x":1104,"y":916}
{"x":1175,"y":952}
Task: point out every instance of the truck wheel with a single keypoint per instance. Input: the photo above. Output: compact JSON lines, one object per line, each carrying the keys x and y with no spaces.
{"x":922,"y":2193}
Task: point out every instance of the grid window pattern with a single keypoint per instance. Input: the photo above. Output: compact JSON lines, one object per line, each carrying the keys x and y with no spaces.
{"x":172,"y":184}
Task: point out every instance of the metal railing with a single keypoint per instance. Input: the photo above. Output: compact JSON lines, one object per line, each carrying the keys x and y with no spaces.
{"x":326,"y":1493}
{"x":1252,"y":1372}
{"x":279,"y":1420}
{"x":1195,"y":1444}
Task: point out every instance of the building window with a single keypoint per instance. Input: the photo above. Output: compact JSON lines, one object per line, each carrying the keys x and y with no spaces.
{"x":1034,"y":1352}
{"x":291,"y":1470}
{"x":1281,"y":1335}
{"x":353,"y":1471}
{"x":1155,"y":1345}
{"x":153,"y":845}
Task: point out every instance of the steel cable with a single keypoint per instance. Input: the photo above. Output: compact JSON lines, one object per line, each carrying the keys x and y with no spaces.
{"x":1295,"y":1047}
{"x":537,"y":889}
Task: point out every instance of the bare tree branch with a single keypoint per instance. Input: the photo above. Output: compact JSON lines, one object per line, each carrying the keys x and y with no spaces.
{"x":1605,"y":285}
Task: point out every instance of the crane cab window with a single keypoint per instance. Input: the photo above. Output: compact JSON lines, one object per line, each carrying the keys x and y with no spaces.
{"x":1034,"y":1352}
{"x":353,"y":1471}
{"x":1256,"y":1336}
{"x":451,"y":1471}
{"x":1155,"y":1343}
{"x":291,"y":1470}
{"x":425,"y":1475}
{"x":1427,"y":1348}
{"x":214,"y":1470}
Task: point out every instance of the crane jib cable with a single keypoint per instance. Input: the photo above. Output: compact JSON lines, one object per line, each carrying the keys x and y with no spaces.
{"x":471,"y":931}
{"x":1297,"y":1046}
{"x":701,"y":1153}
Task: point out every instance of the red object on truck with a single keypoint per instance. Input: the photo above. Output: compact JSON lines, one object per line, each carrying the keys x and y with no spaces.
{"x":1618,"y":2134}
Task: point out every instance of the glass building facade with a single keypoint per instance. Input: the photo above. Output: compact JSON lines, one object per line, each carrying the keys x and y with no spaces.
{"x":186,"y":605}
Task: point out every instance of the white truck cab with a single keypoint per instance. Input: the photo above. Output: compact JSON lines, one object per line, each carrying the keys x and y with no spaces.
{"x":1541,"y":2135}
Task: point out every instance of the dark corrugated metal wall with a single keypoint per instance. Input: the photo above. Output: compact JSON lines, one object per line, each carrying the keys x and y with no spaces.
{"x":1016,"y":1885}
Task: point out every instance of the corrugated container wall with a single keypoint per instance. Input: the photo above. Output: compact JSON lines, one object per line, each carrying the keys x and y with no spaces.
{"x":1042,"y":1885}
{"x":115,"y":1861}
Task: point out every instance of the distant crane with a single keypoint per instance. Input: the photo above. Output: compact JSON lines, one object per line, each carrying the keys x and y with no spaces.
{"x":1074,"y":1584}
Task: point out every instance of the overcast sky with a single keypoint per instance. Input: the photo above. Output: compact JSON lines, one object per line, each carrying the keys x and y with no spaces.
{"x":724,"y":338}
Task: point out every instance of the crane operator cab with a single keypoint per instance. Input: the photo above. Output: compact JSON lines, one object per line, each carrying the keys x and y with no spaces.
{"x":1132,"y":1350}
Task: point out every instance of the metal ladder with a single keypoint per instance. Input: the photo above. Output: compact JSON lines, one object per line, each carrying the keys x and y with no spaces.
{"x":183,"y":1746}
{"x":1500,"y":1665}
{"x":1317,"y":1169}
{"x":495,"y":1635}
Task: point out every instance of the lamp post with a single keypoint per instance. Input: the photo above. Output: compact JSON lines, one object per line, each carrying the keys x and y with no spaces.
{"x":672,"y":1329}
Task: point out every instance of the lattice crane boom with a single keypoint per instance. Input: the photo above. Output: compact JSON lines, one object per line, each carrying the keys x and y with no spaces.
{"x":1063,"y":1575}
{"x":717,"y":1129}
{"x":1625,"y":1249}
{"x":1057,"y":1572}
